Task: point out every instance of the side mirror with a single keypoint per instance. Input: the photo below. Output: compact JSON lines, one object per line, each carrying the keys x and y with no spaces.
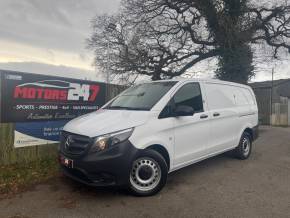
{"x":183,"y":110}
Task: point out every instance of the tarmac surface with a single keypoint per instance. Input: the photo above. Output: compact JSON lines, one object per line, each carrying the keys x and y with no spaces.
{"x":218,"y":187}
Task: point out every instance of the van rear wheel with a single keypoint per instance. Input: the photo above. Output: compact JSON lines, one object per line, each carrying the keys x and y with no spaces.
{"x":243,"y":151}
{"x":148,"y":174}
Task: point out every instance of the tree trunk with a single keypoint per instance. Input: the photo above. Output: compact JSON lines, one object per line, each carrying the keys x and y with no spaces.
{"x":156,"y":75}
{"x":235,"y":64}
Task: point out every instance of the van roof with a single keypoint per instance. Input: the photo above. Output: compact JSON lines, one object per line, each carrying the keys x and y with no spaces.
{"x":203,"y":80}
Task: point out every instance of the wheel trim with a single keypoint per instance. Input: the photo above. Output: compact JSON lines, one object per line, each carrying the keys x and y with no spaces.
{"x":145,"y":184}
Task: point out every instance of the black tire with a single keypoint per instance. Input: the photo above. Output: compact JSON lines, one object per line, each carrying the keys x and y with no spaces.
{"x":243,"y":151}
{"x":152,"y":165}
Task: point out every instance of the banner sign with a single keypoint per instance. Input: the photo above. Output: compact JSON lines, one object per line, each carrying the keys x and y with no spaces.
{"x":32,"y":97}
{"x":37,"y":133}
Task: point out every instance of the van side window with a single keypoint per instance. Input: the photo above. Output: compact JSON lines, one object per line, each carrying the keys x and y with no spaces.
{"x":189,"y":95}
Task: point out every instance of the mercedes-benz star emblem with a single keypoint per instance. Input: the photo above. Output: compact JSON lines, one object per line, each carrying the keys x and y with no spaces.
{"x":68,"y":142}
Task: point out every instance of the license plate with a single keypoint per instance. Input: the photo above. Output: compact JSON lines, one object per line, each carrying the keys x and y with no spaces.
{"x":66,"y":162}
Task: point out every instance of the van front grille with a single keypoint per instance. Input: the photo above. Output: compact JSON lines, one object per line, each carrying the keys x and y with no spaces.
{"x":73,"y":144}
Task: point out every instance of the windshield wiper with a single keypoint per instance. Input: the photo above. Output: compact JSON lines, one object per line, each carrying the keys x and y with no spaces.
{"x":126,"y":108}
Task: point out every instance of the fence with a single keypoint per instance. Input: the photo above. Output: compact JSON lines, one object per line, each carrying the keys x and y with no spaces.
{"x":279,"y":114}
{"x":11,"y":155}
{"x":263,"y":96}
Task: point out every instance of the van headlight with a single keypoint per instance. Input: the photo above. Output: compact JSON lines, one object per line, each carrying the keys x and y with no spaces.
{"x":103,"y":142}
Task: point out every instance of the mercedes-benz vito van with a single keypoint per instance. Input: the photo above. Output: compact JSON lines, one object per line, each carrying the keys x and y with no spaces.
{"x":154,"y":128}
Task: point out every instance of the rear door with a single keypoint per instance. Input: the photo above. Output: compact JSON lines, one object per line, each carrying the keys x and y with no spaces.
{"x":191,"y":132}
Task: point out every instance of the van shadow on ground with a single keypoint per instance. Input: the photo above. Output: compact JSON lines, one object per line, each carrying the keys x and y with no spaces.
{"x":175,"y":179}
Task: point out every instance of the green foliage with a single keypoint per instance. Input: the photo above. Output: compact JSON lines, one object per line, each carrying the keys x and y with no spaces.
{"x":236,"y":64}
{"x":16,"y":177}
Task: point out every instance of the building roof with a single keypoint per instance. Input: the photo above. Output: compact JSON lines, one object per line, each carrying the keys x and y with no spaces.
{"x":282,"y":87}
{"x":268,"y":84}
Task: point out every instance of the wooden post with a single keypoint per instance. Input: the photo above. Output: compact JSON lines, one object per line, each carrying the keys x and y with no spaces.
{"x":271,"y":97}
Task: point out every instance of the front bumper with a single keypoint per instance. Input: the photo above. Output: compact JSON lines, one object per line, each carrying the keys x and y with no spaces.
{"x":105,"y":168}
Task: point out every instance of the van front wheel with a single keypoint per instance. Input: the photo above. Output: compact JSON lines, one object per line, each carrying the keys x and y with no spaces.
{"x":243,"y":151}
{"x":148,"y":174}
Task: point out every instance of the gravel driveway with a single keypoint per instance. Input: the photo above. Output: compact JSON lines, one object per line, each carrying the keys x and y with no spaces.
{"x":218,"y":187}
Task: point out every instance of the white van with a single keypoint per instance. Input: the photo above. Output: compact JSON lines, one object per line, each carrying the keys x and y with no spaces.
{"x":154,"y":128}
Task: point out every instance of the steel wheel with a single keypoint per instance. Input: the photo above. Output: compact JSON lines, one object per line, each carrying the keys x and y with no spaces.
{"x":243,"y":151}
{"x":145,"y":174}
{"x":246,"y":146}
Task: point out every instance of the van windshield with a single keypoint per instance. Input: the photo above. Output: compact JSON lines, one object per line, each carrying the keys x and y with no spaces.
{"x":141,"y":97}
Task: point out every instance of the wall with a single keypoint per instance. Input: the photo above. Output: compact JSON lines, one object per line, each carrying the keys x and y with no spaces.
{"x":279,"y":114}
{"x":10,"y":155}
{"x":281,"y":90}
{"x":289,"y":112}
{"x":263,"y":96}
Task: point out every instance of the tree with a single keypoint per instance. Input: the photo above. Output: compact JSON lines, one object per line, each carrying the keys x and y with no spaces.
{"x":165,"y":38}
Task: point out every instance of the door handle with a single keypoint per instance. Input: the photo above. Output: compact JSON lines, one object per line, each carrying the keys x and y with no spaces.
{"x":216,"y":114}
{"x":204,"y":116}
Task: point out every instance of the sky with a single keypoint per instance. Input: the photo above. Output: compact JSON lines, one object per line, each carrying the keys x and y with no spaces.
{"x":48,"y":37}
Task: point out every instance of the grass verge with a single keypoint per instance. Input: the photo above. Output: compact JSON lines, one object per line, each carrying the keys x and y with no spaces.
{"x":17,"y":177}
